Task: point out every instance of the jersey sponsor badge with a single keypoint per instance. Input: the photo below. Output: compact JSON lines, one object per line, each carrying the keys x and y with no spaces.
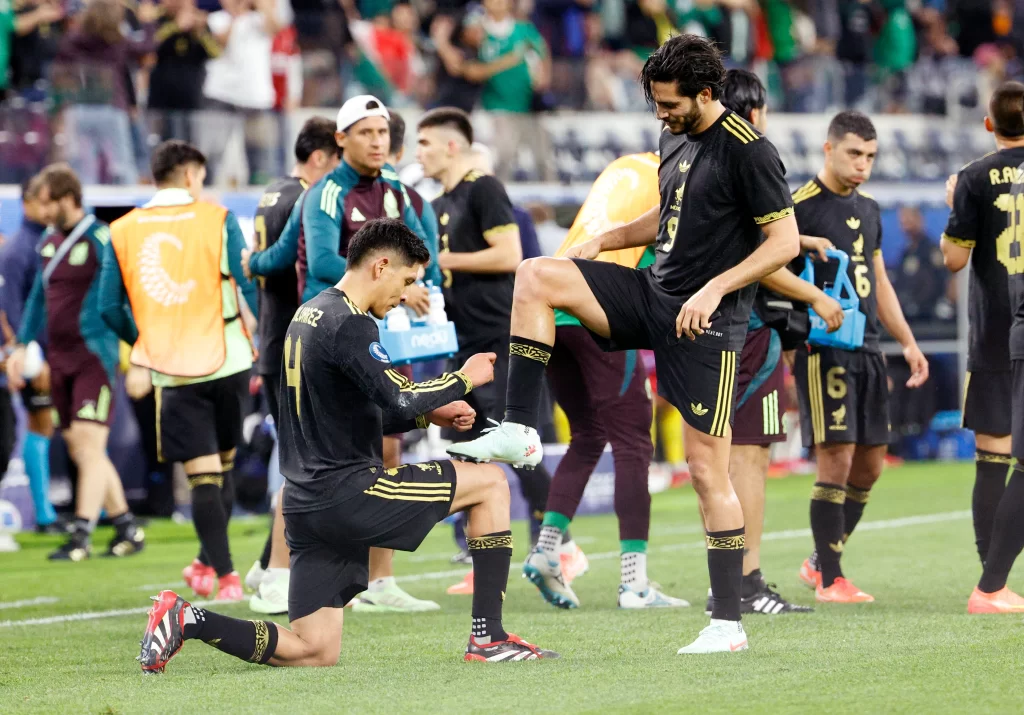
{"x":378,"y":353}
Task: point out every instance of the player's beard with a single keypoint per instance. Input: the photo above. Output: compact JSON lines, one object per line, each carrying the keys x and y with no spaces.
{"x":688,"y":122}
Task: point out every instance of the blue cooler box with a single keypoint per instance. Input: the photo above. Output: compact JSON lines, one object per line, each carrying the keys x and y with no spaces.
{"x":417,"y":344}
{"x":850,"y":335}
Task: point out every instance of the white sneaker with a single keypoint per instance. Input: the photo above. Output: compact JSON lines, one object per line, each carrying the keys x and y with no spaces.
{"x":254,"y":578}
{"x":650,"y":597}
{"x":271,"y":596}
{"x":507,"y":442}
{"x":546,"y":575}
{"x":392,"y":600}
{"x":719,"y":637}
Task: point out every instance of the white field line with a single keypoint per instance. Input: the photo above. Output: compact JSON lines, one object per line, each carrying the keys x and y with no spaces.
{"x":881,"y":525}
{"x":39,"y":601}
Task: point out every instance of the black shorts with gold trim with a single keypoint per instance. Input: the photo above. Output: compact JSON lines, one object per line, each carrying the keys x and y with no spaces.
{"x":988,"y":400}
{"x":200,"y":419}
{"x":844,"y":396}
{"x":697,"y":379}
{"x":390,"y":508}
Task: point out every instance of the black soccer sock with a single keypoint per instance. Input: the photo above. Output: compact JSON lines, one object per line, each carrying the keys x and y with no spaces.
{"x":82,"y":526}
{"x":725,"y":566}
{"x":827,"y":528}
{"x":526,"y":363}
{"x":989,"y":484}
{"x":752,"y":583}
{"x":202,"y":557}
{"x":853,"y":509}
{"x":1007,"y":534}
{"x":492,"y":555}
{"x":227,"y":491}
{"x":254,"y":641}
{"x":265,"y":556}
{"x":210,"y":521}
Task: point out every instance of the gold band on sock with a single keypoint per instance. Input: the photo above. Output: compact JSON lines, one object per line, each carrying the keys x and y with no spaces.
{"x":860,"y":496}
{"x":728,"y":543}
{"x":489,"y":542}
{"x":262,"y":641}
{"x":200,"y":480}
{"x":981,"y":456}
{"x":530,"y":351}
{"x":836,"y":495}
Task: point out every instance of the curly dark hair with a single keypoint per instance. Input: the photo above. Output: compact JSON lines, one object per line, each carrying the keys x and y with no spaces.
{"x":691,"y":61}
{"x":389,"y":235}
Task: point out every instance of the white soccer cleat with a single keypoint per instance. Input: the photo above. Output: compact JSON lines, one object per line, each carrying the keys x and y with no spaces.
{"x":254,"y":578}
{"x":506,"y":442}
{"x":650,"y":597}
{"x":392,"y":600}
{"x":271,"y":596}
{"x":546,"y":575}
{"x":719,"y":637}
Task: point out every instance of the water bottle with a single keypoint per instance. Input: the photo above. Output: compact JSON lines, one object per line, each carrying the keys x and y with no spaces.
{"x":397,"y":319}
{"x":418,"y":321}
{"x":437,"y":315}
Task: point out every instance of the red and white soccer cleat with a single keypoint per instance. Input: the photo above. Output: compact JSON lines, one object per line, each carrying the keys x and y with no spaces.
{"x":1002,"y":601}
{"x":842,"y":591}
{"x":204,"y":579}
{"x":515,"y":648}
{"x":463,"y":587}
{"x":165,"y":632}
{"x":229,"y":588}
{"x":810,"y":575}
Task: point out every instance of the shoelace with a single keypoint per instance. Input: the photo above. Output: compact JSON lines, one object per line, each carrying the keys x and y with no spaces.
{"x":513,"y":638}
{"x":496,"y":427}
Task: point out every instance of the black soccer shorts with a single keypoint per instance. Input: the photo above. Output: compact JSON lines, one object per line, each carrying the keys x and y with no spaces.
{"x":200,"y":419}
{"x":390,"y":508}
{"x":844,"y":396}
{"x":697,"y":380}
{"x":988,"y":399}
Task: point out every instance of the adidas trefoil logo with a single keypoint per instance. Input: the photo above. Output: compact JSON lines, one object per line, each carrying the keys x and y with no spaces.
{"x":853,"y":222}
{"x":837,"y":547}
{"x":357,"y":215}
{"x":684,"y":166}
{"x":698,"y":409}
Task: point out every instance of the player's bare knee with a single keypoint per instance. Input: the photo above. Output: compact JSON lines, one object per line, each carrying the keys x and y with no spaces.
{"x":497,"y":487}
{"x":534,"y":278}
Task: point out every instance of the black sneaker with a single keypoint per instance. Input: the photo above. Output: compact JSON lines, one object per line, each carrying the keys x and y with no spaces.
{"x":514,"y":648}
{"x":76,"y":548}
{"x":125,"y":543}
{"x":60,"y":526}
{"x":768,"y":601}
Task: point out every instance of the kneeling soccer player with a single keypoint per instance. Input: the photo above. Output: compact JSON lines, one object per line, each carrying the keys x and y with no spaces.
{"x":340,"y":397}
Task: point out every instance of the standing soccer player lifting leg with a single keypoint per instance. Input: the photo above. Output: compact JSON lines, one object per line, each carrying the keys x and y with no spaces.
{"x":721,"y":185}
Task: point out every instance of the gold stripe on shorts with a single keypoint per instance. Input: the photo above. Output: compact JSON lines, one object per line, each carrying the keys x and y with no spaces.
{"x":723,"y":405}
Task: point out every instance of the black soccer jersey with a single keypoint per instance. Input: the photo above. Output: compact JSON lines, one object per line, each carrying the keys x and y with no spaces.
{"x":279,"y":292}
{"x":982,"y":204}
{"x":1010,"y":249}
{"x":717,"y":189}
{"x":340,"y":396}
{"x":480,"y":304}
{"x":854,"y":224}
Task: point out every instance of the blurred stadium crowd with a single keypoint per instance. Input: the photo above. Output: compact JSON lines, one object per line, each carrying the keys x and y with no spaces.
{"x":100,"y":82}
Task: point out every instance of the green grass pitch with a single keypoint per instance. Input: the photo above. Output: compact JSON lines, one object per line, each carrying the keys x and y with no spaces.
{"x":914,"y":650}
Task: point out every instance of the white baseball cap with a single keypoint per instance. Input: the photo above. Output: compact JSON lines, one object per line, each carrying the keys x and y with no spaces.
{"x":361,"y":107}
